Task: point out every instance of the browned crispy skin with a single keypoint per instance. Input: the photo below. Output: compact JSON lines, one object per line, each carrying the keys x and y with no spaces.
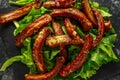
{"x":59,"y":60}
{"x":70,"y":28}
{"x":37,"y":49}
{"x":71,"y":31}
{"x":80,"y":59}
{"x":58,"y":40}
{"x":58,"y":4}
{"x":58,"y":31}
{"x":77,"y":41}
{"x":18,"y":13}
{"x":29,"y":30}
{"x":108,"y":25}
{"x":75,"y":14}
{"x":57,"y":28}
{"x":49,"y":75}
{"x":100,"y":21}
{"x":88,"y":11}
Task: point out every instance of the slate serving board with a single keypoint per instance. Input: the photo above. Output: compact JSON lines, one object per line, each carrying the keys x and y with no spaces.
{"x":110,"y":71}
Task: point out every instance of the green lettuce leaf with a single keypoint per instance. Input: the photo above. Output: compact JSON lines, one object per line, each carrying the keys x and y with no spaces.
{"x":28,"y":19}
{"x":49,"y":56}
{"x":20,"y":2}
{"x":78,"y":4}
{"x":101,"y":55}
{"x":26,"y":51}
{"x":25,"y":57}
{"x":80,"y":32}
{"x":10,"y":61}
{"x":104,"y":10}
{"x":72,"y":52}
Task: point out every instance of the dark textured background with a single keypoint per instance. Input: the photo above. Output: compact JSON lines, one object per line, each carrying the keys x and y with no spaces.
{"x":110,"y":71}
